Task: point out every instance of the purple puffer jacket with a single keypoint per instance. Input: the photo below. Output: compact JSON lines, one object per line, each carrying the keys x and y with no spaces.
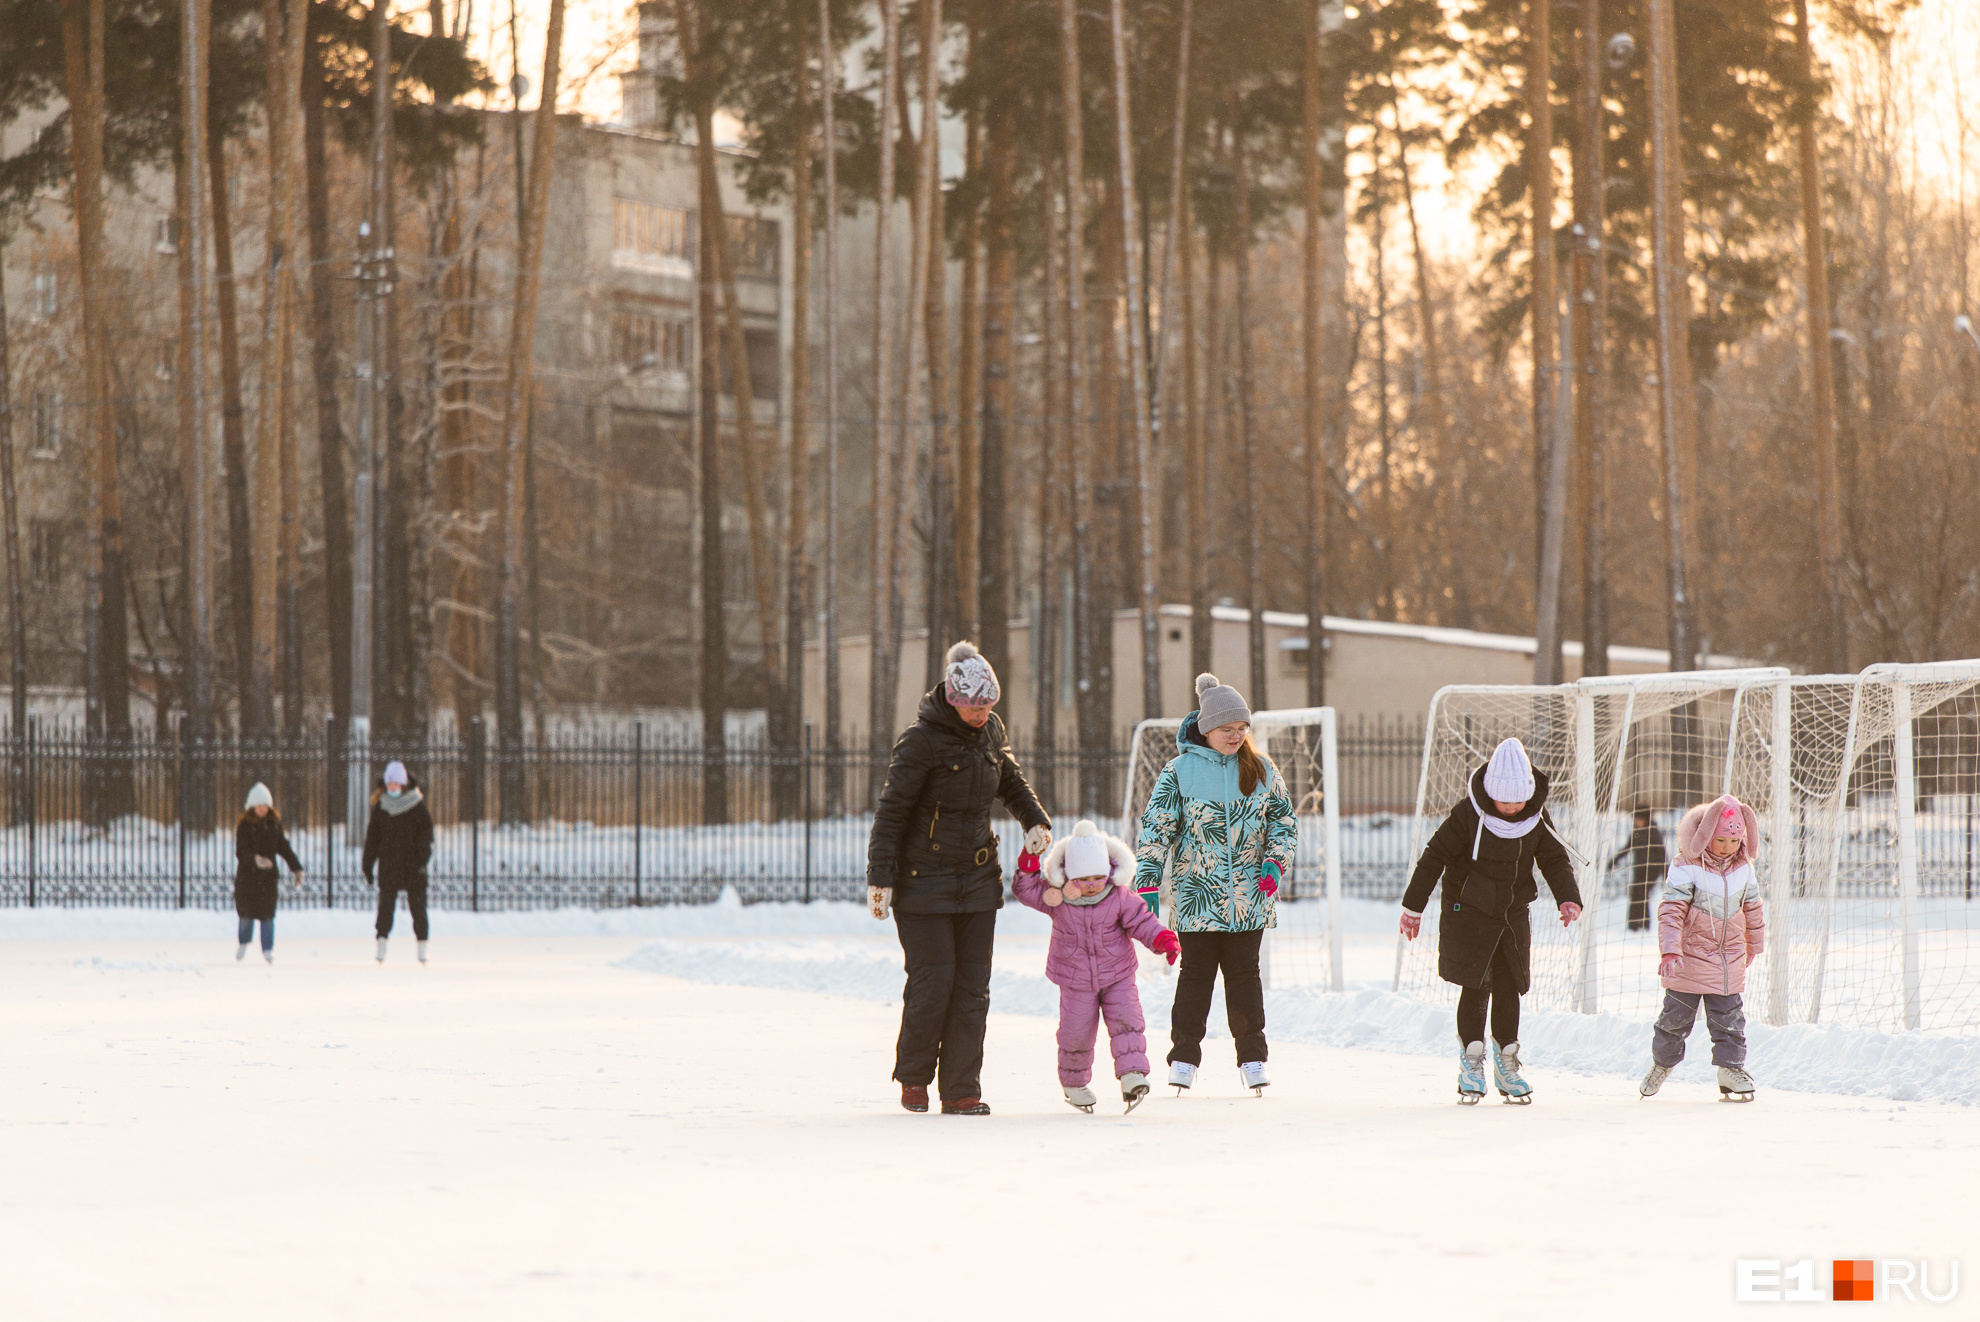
{"x":1092,"y":944}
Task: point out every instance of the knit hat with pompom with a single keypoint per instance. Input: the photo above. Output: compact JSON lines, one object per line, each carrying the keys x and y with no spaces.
{"x":1217,"y":704}
{"x":967,"y":679}
{"x":1086,"y":852}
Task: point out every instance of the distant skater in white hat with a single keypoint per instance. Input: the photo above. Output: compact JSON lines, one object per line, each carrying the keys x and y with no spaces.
{"x":258,"y":842}
{"x":398,"y":841}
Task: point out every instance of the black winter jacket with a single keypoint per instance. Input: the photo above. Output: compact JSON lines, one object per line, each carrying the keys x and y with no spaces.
{"x":1488,"y":882}
{"x":932,"y":840}
{"x":254,"y":886}
{"x":398,"y":843}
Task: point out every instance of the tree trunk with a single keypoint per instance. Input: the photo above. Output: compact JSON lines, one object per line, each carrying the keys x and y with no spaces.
{"x":515,"y":419}
{"x":1828,"y":515}
{"x":1591,"y":302}
{"x":880,"y":686}
{"x":1132,"y":346}
{"x":1330,"y":278}
{"x":1053,"y":454}
{"x":829,"y":643}
{"x":1671,"y":296}
{"x":233,"y":438}
{"x":941,"y":562}
{"x":1093,"y":720}
{"x":797,"y":480}
{"x":1254,"y":587}
{"x":1426,"y":311}
{"x":996,"y":556}
{"x":323,"y":365}
{"x":1195,"y":507}
{"x":10,"y":527}
{"x":927,"y":194}
{"x":1312,"y":369}
{"x":965,"y":529}
{"x":1384,"y":520}
{"x":1548,"y":472}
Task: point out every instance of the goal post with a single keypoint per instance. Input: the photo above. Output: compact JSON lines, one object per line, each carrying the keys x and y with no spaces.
{"x":1307,"y":946}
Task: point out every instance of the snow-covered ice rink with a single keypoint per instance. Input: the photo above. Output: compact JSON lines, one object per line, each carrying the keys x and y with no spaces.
{"x":687,"y":1114}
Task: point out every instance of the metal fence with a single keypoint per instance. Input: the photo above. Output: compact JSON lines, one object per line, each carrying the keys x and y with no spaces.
{"x":600,"y":821}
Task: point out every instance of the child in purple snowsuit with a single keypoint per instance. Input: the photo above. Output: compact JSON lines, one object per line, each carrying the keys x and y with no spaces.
{"x":1087,"y":889}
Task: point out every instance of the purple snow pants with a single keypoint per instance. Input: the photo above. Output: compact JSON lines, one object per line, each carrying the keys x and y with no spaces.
{"x":1080,"y":1013}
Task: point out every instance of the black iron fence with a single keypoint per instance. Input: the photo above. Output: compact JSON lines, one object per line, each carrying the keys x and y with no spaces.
{"x":595,"y":821}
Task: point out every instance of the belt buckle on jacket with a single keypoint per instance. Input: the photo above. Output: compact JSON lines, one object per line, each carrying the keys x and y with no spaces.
{"x":983,"y":856}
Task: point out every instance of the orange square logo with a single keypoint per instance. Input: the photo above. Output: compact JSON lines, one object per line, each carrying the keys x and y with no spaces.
{"x":1854,"y":1281}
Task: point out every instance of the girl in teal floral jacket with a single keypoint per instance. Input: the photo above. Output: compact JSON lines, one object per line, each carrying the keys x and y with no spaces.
{"x":1220,"y":823}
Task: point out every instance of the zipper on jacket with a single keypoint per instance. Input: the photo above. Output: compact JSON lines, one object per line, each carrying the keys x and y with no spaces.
{"x":936,"y":818}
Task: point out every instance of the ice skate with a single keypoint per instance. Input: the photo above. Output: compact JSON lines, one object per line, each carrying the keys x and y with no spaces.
{"x":1134,"y":1088}
{"x":914,"y":1097}
{"x":1653,"y":1080}
{"x":1505,"y":1073}
{"x":268,"y":955}
{"x":381,"y":950}
{"x":1081,"y":1098}
{"x":422,"y":952}
{"x":1253,"y":1074}
{"x":1182,"y":1076}
{"x":1471,"y":1074}
{"x":242,"y":952}
{"x":1735,"y":1084}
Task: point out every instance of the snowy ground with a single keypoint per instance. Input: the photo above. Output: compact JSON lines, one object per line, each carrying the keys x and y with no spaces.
{"x":686,"y":1113}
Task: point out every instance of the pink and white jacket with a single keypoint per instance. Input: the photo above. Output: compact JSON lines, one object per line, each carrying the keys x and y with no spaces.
{"x":1711,"y":918}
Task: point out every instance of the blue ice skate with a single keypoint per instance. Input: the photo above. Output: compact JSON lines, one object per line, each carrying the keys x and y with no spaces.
{"x":1471,"y":1074}
{"x":1505,"y":1073}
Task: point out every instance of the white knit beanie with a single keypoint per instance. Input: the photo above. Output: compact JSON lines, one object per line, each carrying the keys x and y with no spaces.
{"x":1509,"y":775}
{"x":967,"y":678}
{"x":259,"y":797}
{"x":1086,"y":852}
{"x":1217,"y":704}
{"x":395,"y":773}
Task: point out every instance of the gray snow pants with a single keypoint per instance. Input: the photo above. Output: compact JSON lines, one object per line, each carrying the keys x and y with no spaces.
{"x":1725,"y":1019}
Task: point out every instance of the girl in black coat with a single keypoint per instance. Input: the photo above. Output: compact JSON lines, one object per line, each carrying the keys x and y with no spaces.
{"x":932,"y":862}
{"x":398,"y":841}
{"x":258,"y":842}
{"x":1484,"y":854}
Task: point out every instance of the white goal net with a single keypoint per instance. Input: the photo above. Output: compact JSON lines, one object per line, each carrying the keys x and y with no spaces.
{"x":1610,"y":748}
{"x":1305,"y":948}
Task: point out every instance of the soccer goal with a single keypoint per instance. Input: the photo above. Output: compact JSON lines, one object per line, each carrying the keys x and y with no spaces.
{"x":1305,"y":948}
{"x":1866,"y":788}
{"x":1610,"y":747}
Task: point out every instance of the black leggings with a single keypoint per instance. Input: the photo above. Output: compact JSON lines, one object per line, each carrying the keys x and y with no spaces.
{"x":1505,"y":1004}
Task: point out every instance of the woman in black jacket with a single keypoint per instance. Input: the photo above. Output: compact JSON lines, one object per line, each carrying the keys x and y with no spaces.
{"x":1485,"y":853}
{"x":932,"y":860}
{"x":258,"y":842}
{"x":398,"y":841}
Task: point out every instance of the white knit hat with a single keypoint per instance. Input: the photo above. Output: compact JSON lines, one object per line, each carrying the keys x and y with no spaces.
{"x":967,"y":678}
{"x":1086,"y":852}
{"x":1509,"y":775}
{"x":395,"y":773}
{"x":259,"y":797}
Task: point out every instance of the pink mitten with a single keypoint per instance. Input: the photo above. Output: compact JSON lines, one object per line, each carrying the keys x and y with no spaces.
{"x":1668,"y":966}
{"x":1053,"y":897}
{"x":1569,"y":912}
{"x":1027,"y":861}
{"x":1412,"y":924}
{"x":1167,"y":943}
{"x":1268,"y":885}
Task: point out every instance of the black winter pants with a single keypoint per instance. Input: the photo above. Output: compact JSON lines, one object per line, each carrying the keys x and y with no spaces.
{"x":388,"y":900}
{"x":1639,"y":899}
{"x":1505,"y":1003}
{"x":946,"y":1000}
{"x":1203,"y":953}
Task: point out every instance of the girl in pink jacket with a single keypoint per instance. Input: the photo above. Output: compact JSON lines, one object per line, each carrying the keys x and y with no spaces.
{"x":1709,"y":928}
{"x":1087,"y":888}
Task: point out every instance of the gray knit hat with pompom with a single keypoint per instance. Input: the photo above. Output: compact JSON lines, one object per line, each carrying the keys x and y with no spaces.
{"x":1217,"y":704}
{"x":967,"y":679}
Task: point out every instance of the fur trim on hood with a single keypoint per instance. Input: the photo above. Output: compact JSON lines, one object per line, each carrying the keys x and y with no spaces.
{"x":1695,"y":831}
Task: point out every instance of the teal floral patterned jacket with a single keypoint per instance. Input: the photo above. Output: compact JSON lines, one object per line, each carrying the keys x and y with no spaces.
{"x":1215,"y":842}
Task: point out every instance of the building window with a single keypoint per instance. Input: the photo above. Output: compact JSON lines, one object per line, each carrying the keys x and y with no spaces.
{"x":644,"y":342}
{"x":753,"y":246}
{"x":649,"y":232}
{"x":45,"y":302}
{"x":47,"y":426}
{"x":44,"y":553}
{"x":761,"y":348}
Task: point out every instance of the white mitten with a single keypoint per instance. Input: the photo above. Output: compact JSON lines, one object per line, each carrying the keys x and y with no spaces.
{"x":1037,"y":840}
{"x":880,"y":901}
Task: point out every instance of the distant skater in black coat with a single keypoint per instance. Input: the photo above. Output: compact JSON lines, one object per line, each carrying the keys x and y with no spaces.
{"x":398,"y":841}
{"x":1648,"y":863}
{"x":258,"y":842}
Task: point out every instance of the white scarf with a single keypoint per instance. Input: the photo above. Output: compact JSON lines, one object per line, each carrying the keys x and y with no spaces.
{"x":1499,"y":826}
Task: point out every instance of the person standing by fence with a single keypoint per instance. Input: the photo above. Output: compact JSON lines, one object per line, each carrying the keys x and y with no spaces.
{"x":1647,"y":861}
{"x":258,"y":842}
{"x":932,"y":862}
{"x":398,"y":841}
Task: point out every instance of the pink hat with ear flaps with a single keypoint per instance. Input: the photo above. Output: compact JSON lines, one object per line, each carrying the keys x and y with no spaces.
{"x":1724,"y":815}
